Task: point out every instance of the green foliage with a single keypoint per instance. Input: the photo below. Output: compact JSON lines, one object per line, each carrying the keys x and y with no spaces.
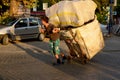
{"x":0,"y":6}
{"x":4,"y":18}
{"x":102,"y":18}
{"x":117,"y":8}
{"x":5,"y":2}
{"x":101,"y":10}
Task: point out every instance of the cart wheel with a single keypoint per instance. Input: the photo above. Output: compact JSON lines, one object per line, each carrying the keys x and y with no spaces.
{"x":84,"y":60}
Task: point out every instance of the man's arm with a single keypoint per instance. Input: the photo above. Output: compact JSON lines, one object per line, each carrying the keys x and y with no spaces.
{"x":42,"y":30}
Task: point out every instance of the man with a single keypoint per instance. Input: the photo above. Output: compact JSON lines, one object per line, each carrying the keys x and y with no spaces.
{"x":54,"y":35}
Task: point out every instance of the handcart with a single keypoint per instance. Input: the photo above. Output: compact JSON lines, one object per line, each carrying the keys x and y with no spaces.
{"x":84,"y":42}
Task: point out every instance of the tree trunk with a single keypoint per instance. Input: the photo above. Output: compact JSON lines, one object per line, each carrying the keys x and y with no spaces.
{"x":13,"y":7}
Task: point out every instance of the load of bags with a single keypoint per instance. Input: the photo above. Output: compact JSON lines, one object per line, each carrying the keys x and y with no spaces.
{"x":71,"y":12}
{"x":84,"y":36}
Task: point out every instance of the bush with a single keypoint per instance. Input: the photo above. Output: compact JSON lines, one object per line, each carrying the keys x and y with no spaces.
{"x":5,"y":18}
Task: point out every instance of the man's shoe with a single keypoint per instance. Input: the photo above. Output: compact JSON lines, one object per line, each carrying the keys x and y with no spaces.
{"x":58,"y":62}
{"x":64,"y":59}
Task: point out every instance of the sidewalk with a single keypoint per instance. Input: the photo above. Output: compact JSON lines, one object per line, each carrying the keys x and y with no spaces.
{"x":116,"y":29}
{"x":112,"y":43}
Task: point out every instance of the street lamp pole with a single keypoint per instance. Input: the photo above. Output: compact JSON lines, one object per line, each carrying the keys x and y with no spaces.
{"x":110,"y":20}
{"x":110,"y":17}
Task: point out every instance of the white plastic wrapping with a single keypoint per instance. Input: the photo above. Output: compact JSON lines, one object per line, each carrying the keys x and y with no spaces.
{"x":74,"y":13}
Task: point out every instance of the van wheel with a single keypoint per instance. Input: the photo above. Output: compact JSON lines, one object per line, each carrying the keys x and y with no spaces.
{"x":41,"y":37}
{"x":5,"y":40}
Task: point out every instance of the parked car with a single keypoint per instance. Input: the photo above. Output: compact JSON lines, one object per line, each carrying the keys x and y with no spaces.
{"x":21,"y":28}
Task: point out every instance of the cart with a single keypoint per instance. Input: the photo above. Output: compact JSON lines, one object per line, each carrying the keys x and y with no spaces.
{"x":84,"y":42}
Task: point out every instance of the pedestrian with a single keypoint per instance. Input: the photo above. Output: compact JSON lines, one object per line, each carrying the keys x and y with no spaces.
{"x":54,"y":35}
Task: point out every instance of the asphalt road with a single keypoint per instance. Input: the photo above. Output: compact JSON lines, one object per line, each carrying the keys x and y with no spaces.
{"x":30,"y":60}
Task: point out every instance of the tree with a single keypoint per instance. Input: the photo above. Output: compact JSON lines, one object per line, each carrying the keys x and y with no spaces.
{"x":9,"y":8}
{"x":117,"y":8}
{"x":13,"y":7}
{"x":14,"y":4}
{"x":102,"y":10}
{"x":3,"y":6}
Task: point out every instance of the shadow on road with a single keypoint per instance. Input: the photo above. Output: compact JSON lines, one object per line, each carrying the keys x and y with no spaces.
{"x":100,"y":67}
{"x":37,"y":52}
{"x":1,"y":78}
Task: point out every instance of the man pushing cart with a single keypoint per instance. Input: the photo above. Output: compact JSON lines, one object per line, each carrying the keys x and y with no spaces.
{"x":79,"y":26}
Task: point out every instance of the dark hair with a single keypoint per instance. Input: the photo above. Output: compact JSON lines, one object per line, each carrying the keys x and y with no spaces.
{"x":45,"y":18}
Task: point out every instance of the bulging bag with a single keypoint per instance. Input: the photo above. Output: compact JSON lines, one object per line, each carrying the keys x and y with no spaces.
{"x":73,"y":13}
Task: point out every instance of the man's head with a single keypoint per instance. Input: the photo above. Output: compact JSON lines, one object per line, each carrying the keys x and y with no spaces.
{"x":44,"y":20}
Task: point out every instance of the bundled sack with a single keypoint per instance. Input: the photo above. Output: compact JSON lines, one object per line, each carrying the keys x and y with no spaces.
{"x":52,"y":15}
{"x":86,"y":40}
{"x":73,"y":12}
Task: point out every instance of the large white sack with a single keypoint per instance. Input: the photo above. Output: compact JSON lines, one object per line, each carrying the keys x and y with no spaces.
{"x":89,"y":38}
{"x":52,"y":15}
{"x":74,"y":13}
